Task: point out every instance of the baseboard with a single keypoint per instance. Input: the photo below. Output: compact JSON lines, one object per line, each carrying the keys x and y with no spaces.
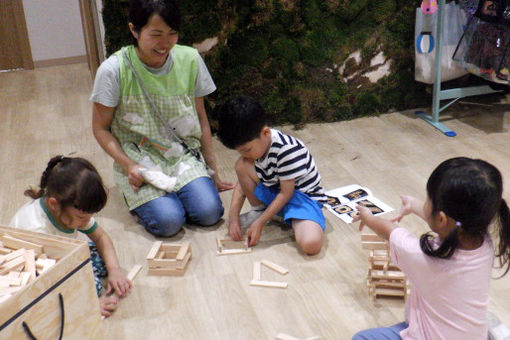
{"x":60,"y":61}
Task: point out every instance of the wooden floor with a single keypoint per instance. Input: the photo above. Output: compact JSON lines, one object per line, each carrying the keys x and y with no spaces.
{"x":47,"y":112}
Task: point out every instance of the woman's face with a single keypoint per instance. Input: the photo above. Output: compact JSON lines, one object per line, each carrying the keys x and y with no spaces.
{"x":155,"y":40}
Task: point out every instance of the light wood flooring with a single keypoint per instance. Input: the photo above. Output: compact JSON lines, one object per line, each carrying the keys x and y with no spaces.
{"x":47,"y":112}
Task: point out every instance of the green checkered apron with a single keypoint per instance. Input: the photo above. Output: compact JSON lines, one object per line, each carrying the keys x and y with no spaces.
{"x":140,"y":132}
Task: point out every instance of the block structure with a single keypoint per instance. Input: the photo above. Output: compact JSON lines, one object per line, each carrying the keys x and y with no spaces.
{"x":169,"y":258}
{"x":384,"y":278}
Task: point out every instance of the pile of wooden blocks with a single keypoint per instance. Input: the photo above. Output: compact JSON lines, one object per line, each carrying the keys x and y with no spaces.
{"x":169,"y":258}
{"x":20,"y":263}
{"x":384,"y":278}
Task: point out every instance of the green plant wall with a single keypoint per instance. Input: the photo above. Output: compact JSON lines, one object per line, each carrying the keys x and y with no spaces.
{"x":292,"y":55}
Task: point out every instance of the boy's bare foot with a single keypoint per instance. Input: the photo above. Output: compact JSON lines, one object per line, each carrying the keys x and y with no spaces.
{"x":107,"y":304}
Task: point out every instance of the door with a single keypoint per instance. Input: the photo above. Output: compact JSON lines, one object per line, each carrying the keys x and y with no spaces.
{"x":15,"y":50}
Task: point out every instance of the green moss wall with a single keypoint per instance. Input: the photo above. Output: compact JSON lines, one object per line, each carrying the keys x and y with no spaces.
{"x":306,"y":61}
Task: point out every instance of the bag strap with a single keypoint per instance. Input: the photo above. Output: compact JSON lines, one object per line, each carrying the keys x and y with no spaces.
{"x":167,"y":126}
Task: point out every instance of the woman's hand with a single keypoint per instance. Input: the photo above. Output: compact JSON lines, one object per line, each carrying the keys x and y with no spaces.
{"x":222,"y":186}
{"x":135,"y":179}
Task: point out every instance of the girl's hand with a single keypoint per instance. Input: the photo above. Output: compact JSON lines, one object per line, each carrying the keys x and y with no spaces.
{"x":405,"y":209}
{"x":222,"y":186}
{"x":234,"y":230}
{"x":118,"y":282}
{"x":135,"y":179}
{"x":253,"y":233}
{"x":363,"y":215}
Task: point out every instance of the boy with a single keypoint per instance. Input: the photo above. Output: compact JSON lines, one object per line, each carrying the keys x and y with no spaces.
{"x":277,"y":174}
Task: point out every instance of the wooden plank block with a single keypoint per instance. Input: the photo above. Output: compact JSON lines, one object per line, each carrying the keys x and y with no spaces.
{"x":25,"y":278}
{"x":218,"y":243}
{"x":283,"y":336}
{"x":16,"y":263}
{"x":269,"y":284}
{"x":12,"y":255}
{"x":133,"y":272}
{"x":30,"y":264}
{"x":389,"y":292}
{"x":234,"y":251}
{"x":256,"y":271}
{"x":16,"y":243}
{"x":4,"y":250}
{"x":374,"y":245}
{"x":371,"y":237}
{"x":154,"y":250}
{"x":166,"y":271}
{"x":160,"y":255}
{"x":389,"y":274}
{"x":183,"y":251}
{"x":275,"y":267}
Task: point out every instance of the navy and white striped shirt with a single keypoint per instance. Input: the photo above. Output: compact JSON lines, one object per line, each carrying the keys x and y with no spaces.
{"x":288,"y":158}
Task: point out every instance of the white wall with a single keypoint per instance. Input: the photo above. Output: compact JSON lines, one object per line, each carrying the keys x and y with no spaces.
{"x":54,"y":29}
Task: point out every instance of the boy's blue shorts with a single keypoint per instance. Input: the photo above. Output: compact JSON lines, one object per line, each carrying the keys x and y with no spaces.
{"x":300,"y":206}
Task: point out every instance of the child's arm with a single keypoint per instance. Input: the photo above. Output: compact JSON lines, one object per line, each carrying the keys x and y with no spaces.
{"x":285,"y":194}
{"x":380,"y":226}
{"x":236,"y":204}
{"x":410,"y":205}
{"x":116,"y":279}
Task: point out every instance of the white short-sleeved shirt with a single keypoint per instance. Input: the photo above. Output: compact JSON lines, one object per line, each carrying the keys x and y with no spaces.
{"x":449,"y":297}
{"x":106,"y":89}
{"x":34,"y":216}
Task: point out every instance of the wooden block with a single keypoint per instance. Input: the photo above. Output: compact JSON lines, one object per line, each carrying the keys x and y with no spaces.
{"x":25,"y":278}
{"x":389,"y":274}
{"x":154,"y":250}
{"x":389,"y":292}
{"x":374,"y":245}
{"x":166,"y":271}
{"x":269,"y":284}
{"x":4,"y":250}
{"x":256,"y":271}
{"x":30,"y":264}
{"x":12,"y":255}
{"x":16,"y":243}
{"x":133,"y":272}
{"x":160,"y":255}
{"x":371,"y":237}
{"x":275,"y":267}
{"x":43,"y":256}
{"x":43,"y":265}
{"x":16,"y":263}
{"x":218,"y":243}
{"x":183,"y":251}
{"x":283,"y":336}
{"x":234,"y":251}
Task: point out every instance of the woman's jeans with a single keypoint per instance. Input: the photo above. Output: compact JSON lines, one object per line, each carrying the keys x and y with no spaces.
{"x":198,"y":202}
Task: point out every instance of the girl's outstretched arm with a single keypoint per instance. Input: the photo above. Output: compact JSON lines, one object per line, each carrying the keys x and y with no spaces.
{"x":410,"y":205}
{"x":117,"y":281}
{"x":380,"y":226}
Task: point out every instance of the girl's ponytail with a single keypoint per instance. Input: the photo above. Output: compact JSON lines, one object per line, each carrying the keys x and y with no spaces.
{"x":44,"y":178}
{"x":503,"y":251}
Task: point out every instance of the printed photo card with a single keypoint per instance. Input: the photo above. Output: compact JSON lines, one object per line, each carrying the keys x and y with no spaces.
{"x":342,"y":202}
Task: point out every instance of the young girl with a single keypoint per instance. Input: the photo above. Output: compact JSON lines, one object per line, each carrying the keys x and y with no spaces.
{"x":71,"y":191}
{"x":449,"y":273}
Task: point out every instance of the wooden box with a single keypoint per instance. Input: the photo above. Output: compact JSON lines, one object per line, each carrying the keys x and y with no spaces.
{"x":169,"y":258}
{"x":68,"y":284}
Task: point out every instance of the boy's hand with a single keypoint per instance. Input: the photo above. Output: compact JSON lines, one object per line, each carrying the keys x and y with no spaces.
{"x":405,"y":209}
{"x":118,"y":282}
{"x":253,"y":233}
{"x":234,"y":229}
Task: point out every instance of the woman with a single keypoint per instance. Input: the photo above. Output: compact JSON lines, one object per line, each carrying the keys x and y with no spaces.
{"x":135,"y":136}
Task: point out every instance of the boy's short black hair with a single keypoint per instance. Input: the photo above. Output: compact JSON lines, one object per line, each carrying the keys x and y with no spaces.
{"x":240,"y":121}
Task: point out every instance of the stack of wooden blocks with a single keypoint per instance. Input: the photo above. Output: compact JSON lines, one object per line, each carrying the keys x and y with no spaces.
{"x":384,"y":278}
{"x":169,"y":258}
{"x":20,"y":262}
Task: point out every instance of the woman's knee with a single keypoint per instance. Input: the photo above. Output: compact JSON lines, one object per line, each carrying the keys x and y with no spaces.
{"x":162,"y":222}
{"x":207,"y":214}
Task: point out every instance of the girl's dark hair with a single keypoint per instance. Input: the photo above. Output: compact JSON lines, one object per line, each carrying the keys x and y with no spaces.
{"x":470,"y":192}
{"x":73,"y":182}
{"x":240,"y":120}
{"x":140,"y":12}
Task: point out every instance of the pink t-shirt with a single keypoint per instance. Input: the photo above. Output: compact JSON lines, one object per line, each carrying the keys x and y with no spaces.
{"x":448,"y":297}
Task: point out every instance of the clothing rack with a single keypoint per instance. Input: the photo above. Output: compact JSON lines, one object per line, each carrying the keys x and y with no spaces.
{"x":453,"y":94}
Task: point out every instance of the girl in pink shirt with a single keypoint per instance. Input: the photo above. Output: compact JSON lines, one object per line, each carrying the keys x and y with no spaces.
{"x":450,"y":271}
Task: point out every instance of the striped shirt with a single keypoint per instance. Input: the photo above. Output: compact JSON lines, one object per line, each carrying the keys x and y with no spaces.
{"x":288,"y":158}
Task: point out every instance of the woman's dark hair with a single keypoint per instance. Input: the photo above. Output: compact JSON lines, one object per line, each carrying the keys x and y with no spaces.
{"x":73,"y":182}
{"x":240,"y":120}
{"x":470,"y":192}
{"x":140,"y":12}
